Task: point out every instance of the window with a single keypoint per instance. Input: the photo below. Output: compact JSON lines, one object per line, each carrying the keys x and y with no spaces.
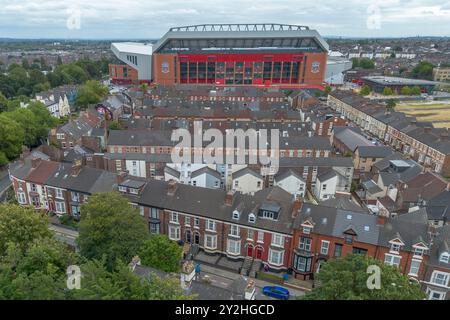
{"x":395,"y":247}
{"x":174,"y":217}
{"x":392,"y":260}
{"x":60,"y":136}
{"x":58,"y":193}
{"x":260,"y":237}
{"x":439,"y":278}
{"x":348,"y":239}
{"x":302,"y":264}
{"x":154,"y":213}
{"x":210,"y":225}
{"x":268,"y":214}
{"x":277,"y":239}
{"x":234,"y":246}
{"x":418,"y":252}
{"x":21,"y":197}
{"x":445,"y":257}
{"x":251,"y":218}
{"x":134,"y":191}
{"x":276,"y":257}
{"x":60,"y":207}
{"x":210,"y":241}
{"x":174,"y":233}
{"x":122,"y":189}
{"x":305,"y":244}
{"x":250,"y":234}
{"x":75,"y":197}
{"x":197,"y":222}
{"x":359,"y":250}
{"x":337,"y":250}
{"x":415,"y":266}
{"x":154,"y":228}
{"x":234,"y":230}
{"x":435,"y":295}
{"x":324,"y":247}
{"x":141,"y":211}
{"x":236,"y":215}
{"x":33,"y":187}
{"x":306,"y":230}
{"x":187,"y":221}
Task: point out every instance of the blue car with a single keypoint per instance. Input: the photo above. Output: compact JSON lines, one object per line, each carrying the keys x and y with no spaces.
{"x":276,"y":292}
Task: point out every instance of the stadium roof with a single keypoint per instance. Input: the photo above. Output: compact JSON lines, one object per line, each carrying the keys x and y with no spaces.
{"x":210,"y":37}
{"x":398,"y":81}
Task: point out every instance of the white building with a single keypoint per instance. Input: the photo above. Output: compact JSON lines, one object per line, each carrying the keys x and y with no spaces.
{"x":325,"y":187}
{"x":292,"y":183}
{"x":247,"y":181}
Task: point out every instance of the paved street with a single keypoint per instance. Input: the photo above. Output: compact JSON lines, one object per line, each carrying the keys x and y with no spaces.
{"x":65,"y":235}
{"x":223,"y":278}
{"x":5,"y":183}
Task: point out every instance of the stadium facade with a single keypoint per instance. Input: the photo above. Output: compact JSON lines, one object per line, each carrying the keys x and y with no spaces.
{"x":226,"y":54}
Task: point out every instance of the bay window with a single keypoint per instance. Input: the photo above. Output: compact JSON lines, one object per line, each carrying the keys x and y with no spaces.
{"x":174,"y":233}
{"x":276,"y":257}
{"x":210,"y":241}
{"x":234,"y":246}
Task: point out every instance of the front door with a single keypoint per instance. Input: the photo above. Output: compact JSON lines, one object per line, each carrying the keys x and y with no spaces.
{"x":259,"y":253}
{"x":188,"y":236}
{"x":250,"y":251}
{"x":197,"y":238}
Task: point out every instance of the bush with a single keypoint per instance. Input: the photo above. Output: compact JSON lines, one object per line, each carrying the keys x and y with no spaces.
{"x":270,"y":277}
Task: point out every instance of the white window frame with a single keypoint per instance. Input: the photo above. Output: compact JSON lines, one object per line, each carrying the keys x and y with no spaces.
{"x":250,"y":234}
{"x":414,"y":269}
{"x":61,"y":209}
{"x":21,"y":197}
{"x":279,"y":254}
{"x":445,"y":279}
{"x":389,"y":259}
{"x":210,"y":225}
{"x":431,"y":292}
{"x":211,"y":241}
{"x":324,"y":247}
{"x":234,"y":230}
{"x":251,"y":218}
{"x":174,"y":218}
{"x":260,"y":237}
{"x":174,"y":233}
{"x":444,"y":257}
{"x":59,"y":193}
{"x":277,"y":240}
{"x":187,"y":221}
{"x":235,"y":245}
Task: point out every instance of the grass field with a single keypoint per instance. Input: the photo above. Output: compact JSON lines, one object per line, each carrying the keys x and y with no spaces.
{"x":436,"y":112}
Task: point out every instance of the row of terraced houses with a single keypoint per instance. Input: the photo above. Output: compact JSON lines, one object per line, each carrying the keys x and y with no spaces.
{"x":420,"y":140}
{"x":271,"y":228}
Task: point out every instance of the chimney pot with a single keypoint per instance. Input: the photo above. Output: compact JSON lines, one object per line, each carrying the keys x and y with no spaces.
{"x":229,"y":198}
{"x":172,"y":188}
{"x":381,"y":220}
{"x":76,"y":170}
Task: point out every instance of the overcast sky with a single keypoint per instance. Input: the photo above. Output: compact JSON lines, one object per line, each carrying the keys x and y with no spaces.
{"x":150,"y":19}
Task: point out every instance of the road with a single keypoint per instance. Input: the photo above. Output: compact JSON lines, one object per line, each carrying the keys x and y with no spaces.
{"x":5,"y":183}
{"x":65,"y":235}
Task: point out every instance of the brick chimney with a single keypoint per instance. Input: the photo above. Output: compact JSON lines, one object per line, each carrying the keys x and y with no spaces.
{"x":121,"y":177}
{"x":229,"y":198}
{"x":76,"y":170}
{"x":35,"y":162}
{"x":187,"y":274}
{"x":172,"y":187}
{"x":296,"y":208}
{"x":381,"y":220}
{"x":250,"y":291}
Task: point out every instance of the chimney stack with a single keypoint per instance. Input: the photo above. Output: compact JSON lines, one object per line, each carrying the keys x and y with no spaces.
{"x":229,"y":198}
{"x":76,"y":170}
{"x":250,"y":291}
{"x":121,"y":177}
{"x":296,"y":208}
{"x":381,"y":220}
{"x":172,"y":188}
{"x":35,"y":162}
{"x":187,"y":274}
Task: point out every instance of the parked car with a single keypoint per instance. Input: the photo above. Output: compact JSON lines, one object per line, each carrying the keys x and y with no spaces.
{"x":276,"y":292}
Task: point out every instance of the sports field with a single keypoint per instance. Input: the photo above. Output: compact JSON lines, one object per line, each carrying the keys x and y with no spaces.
{"x":436,"y":112}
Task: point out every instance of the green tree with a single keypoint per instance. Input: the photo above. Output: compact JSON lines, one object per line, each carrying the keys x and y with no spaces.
{"x":346,"y":279}
{"x":3,"y":102}
{"x":327,"y":89}
{"x":161,"y":253}
{"x":391,"y":104}
{"x":122,"y":284}
{"x":21,"y":226}
{"x":110,"y":227}
{"x":387,"y":91}
{"x":115,"y":125}
{"x":12,"y":136}
{"x":423,"y":70}
{"x":91,"y":92}
{"x":365,"y":90}
{"x":415,"y":91}
{"x":406,"y":91}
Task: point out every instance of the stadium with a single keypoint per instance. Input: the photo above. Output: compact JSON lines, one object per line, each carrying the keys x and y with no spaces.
{"x":225,"y":54}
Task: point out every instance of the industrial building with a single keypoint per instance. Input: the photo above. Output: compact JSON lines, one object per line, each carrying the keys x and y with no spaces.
{"x":226,"y":54}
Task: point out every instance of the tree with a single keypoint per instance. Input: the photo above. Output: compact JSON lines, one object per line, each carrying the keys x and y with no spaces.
{"x":364,"y":63}
{"x":387,"y":91}
{"x":391,"y":104}
{"x":406,"y":91}
{"x":122,"y":284}
{"x":21,"y":226}
{"x":365,"y":90}
{"x":346,"y":279}
{"x":110,"y":227}
{"x":327,"y":89}
{"x":3,"y":102}
{"x":415,"y":91}
{"x":90,"y":93}
{"x":12,"y":136}
{"x":115,"y":125}
{"x":423,"y":70}
{"x":161,"y":253}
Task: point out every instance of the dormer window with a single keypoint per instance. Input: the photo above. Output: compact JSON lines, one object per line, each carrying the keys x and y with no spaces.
{"x":445,"y":257}
{"x":268,"y":214}
{"x":395,"y":247}
{"x":251,"y":218}
{"x":418,"y":252}
{"x":134,"y":191}
{"x":122,"y":189}
{"x":306,"y":230}
{"x":236,"y":215}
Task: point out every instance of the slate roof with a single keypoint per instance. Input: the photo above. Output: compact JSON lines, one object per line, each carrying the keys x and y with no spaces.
{"x":327,"y":175}
{"x":245,"y":171}
{"x":206,"y":170}
{"x":441,"y":243}
{"x":364,"y":225}
{"x":283,"y":174}
{"x":342,"y":201}
{"x":350,"y":137}
{"x":371,"y":187}
{"x":374,"y":151}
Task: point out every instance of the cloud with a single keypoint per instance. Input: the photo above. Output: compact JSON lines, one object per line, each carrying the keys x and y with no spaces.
{"x":152,"y":18}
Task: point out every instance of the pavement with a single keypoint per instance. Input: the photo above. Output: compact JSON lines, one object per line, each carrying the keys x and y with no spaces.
{"x":5,"y":183}
{"x":65,"y":235}
{"x":222,"y":278}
